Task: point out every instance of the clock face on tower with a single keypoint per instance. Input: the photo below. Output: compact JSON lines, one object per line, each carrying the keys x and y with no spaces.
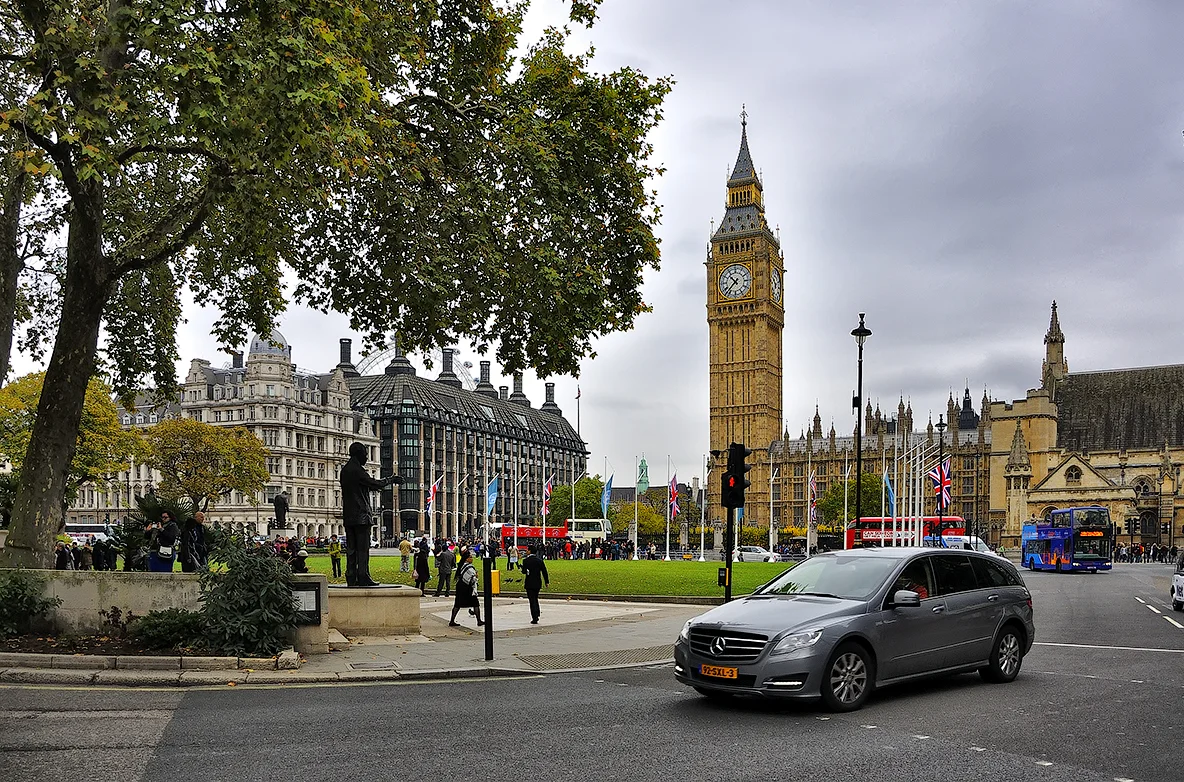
{"x":775,"y":286}
{"x":735,"y":281}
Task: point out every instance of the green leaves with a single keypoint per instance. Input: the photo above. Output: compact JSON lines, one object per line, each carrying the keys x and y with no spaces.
{"x":205,"y":462}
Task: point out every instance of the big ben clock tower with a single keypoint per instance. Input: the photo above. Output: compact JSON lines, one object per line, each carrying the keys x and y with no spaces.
{"x":745,"y":317}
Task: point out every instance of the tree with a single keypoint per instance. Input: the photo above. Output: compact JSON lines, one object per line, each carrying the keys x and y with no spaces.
{"x":588,"y":493}
{"x":205,"y":462}
{"x":362,"y":148}
{"x":103,"y":446}
{"x":649,"y":521}
{"x":830,"y":505}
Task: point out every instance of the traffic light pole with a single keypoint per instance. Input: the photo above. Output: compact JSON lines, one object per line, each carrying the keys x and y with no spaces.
{"x":729,"y":543}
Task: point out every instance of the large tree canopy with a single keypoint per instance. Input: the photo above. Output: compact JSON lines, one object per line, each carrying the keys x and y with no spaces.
{"x":395,"y":158}
{"x":204,"y":462}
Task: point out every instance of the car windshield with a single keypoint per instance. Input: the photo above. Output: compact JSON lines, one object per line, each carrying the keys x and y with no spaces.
{"x":850,"y":577}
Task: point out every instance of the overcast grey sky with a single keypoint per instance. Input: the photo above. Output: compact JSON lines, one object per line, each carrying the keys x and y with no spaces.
{"x":947,"y":168}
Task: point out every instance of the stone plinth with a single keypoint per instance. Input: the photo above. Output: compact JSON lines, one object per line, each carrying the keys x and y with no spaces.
{"x":281,"y":532}
{"x":385,"y":610}
{"x":313,"y":639}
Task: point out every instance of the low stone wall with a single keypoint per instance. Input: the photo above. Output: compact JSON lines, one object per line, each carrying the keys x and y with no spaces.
{"x":386,"y":610}
{"x":86,"y":592}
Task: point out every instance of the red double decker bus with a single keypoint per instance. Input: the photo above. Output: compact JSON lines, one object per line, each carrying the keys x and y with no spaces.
{"x":878,"y":531}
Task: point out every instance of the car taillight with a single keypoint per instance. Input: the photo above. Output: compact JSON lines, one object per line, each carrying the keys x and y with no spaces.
{"x":1029,"y":602}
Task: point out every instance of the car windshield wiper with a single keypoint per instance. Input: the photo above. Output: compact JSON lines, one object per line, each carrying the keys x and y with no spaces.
{"x":774,"y":593}
{"x":816,"y":594}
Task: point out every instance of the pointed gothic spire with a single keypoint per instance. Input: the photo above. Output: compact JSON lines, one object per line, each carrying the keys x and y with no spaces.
{"x":743,"y":170}
{"x":1018,"y":459}
{"x":1054,"y":328}
{"x":817,"y":429}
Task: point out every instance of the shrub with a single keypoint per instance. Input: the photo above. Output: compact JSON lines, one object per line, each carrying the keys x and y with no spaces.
{"x":21,"y":601}
{"x":172,"y":628}
{"x":247,"y":601}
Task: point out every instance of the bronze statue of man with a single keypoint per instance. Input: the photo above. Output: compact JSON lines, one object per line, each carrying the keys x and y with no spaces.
{"x":281,"y":510}
{"x":356,"y":485}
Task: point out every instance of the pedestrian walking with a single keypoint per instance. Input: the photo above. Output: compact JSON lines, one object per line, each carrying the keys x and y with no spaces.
{"x":194,"y":549}
{"x":422,"y":574}
{"x":466,"y":589}
{"x":335,"y":556}
{"x":405,"y":555}
{"x":535,"y":571}
{"x":512,"y":557}
{"x":445,"y":564}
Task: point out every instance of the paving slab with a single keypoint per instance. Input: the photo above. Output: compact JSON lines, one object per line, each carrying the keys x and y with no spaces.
{"x":208,"y":663}
{"x":210,"y":678}
{"x":146,"y":663}
{"x":139,"y":678}
{"x":90,"y":662}
{"x":290,"y":677}
{"x":47,"y":676}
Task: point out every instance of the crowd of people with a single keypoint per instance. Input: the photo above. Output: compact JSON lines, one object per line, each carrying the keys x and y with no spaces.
{"x":1138,"y":553}
{"x":165,"y":544}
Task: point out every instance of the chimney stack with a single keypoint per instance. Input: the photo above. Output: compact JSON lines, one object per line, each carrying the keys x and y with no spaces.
{"x":518,"y":396}
{"x":346,"y":351}
{"x":503,"y":393}
{"x":485,"y":387}
{"x":550,"y":406}
{"x":236,"y":359}
{"x":447,"y":376}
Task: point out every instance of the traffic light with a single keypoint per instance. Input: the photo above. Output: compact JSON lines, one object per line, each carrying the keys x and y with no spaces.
{"x":1164,"y":527}
{"x":734,"y":480}
{"x":1130,"y":526}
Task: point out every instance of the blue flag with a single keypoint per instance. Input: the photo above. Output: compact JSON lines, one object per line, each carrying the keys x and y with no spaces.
{"x":608,"y":490}
{"x":490,"y":496}
{"x":891,"y":495}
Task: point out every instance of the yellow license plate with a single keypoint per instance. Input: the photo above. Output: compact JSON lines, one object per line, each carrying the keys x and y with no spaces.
{"x":718,"y":671}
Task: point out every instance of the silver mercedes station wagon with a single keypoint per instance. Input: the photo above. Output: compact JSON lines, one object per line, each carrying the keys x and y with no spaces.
{"x":840,"y":624}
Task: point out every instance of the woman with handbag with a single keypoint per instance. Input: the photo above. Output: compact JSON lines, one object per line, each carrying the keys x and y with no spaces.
{"x":162,"y":544}
{"x":466,"y":589}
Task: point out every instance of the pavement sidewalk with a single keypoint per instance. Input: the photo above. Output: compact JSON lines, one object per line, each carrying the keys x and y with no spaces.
{"x":571,"y":635}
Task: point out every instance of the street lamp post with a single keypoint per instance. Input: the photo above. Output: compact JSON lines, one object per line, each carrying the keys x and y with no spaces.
{"x":861,"y":333}
{"x":941,"y":489}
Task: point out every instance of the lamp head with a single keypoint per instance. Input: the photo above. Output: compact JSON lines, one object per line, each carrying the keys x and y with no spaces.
{"x":862,"y":332}
{"x":941,"y":425}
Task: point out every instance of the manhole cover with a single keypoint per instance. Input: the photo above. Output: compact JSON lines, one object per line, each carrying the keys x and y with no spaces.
{"x":372,"y":666}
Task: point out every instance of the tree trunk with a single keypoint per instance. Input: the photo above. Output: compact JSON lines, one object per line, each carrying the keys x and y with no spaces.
{"x":37,"y":515}
{"x":11,"y":263}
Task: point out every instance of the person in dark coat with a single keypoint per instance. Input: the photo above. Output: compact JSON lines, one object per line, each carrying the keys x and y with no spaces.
{"x":356,"y":485}
{"x":535,"y":571}
{"x":194,"y":549}
{"x":162,"y":544}
{"x":445,"y":564}
{"x":466,"y":589}
{"x":422,"y":572}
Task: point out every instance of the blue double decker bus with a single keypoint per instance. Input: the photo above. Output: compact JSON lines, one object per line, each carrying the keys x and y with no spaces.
{"x":1070,"y":539}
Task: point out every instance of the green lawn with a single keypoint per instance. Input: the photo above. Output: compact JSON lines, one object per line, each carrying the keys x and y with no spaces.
{"x":594,"y":577}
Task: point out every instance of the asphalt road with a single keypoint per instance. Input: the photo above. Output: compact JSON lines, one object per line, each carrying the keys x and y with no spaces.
{"x":1100,"y":698}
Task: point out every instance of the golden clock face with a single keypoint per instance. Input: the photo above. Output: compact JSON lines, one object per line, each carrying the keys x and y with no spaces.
{"x":735,"y":281}
{"x":775,"y":285}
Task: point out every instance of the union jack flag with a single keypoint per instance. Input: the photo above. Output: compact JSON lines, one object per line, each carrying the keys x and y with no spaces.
{"x":547,"y":495}
{"x":813,"y":497}
{"x":674,"y":496}
{"x":940,"y":475}
{"x":432,"y":494}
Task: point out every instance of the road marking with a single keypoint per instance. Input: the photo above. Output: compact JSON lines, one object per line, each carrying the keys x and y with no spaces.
{"x":824,"y":719}
{"x":1153,"y":608}
{"x":922,"y":738}
{"x":1112,"y":648}
{"x":1141,"y":600}
{"x":978,"y":749}
{"x":1136,"y":681}
{"x":869,"y":727}
{"x":1043,"y":763}
{"x":1173,"y":621}
{"x":1123,"y":779}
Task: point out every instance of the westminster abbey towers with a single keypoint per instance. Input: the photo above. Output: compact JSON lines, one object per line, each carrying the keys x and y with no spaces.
{"x":745,"y":317}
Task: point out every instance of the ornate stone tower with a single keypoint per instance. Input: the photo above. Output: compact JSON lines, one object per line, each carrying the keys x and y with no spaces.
{"x":1055,"y":368}
{"x":1019,"y":475}
{"x":745,"y":317}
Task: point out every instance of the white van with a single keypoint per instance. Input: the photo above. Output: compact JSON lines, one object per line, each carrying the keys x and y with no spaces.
{"x":970,"y":542}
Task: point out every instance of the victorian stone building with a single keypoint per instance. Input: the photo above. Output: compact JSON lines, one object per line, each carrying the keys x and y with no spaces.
{"x":1112,"y":437}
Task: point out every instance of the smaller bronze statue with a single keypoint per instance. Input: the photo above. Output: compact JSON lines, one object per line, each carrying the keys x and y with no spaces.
{"x":282,"y":505}
{"x":356,"y":485}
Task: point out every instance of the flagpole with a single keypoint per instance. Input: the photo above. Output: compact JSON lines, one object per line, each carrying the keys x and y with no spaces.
{"x":809,"y":496}
{"x":846,"y":488}
{"x":635,"y":508}
{"x":703,"y":509}
{"x":883,"y":472}
{"x":432,"y":505}
{"x":515,"y":505}
{"x":667,"y":557}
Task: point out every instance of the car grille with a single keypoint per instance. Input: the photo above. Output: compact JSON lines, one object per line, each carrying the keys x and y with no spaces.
{"x":738,"y":647}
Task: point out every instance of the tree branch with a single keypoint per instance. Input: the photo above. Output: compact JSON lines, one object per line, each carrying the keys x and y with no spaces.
{"x":155,"y":245}
{"x":57,"y":151}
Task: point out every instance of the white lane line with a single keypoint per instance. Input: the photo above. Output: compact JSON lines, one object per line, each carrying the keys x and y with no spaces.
{"x":1112,"y":648}
{"x":1043,"y":763}
{"x":1123,"y":779}
{"x":1141,"y":600}
{"x":1173,"y":621}
{"x":1153,"y":608}
{"x":920,"y":738}
{"x":978,"y":749}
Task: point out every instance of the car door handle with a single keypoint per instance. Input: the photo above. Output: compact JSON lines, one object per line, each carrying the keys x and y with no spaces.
{"x":992,"y":598}
{"x":938,"y":609}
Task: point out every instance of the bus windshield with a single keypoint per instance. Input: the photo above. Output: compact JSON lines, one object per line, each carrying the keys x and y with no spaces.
{"x":1090,"y":546}
{"x":1092,"y":517}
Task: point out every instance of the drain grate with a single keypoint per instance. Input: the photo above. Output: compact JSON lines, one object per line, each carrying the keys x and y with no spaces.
{"x":559,"y":662}
{"x":378,"y":666}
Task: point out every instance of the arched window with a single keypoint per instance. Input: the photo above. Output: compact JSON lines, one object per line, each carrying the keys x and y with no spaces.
{"x":1073,"y":475}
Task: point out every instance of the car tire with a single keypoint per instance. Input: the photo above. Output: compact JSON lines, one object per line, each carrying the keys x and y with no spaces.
{"x":1007,"y":656}
{"x":848,"y":678}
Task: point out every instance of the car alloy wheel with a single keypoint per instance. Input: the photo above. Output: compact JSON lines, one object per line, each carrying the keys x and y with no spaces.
{"x":1006,"y":658}
{"x":848,"y":678}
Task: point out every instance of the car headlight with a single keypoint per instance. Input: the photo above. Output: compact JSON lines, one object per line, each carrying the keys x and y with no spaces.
{"x":795,"y":641}
{"x":685,"y":633}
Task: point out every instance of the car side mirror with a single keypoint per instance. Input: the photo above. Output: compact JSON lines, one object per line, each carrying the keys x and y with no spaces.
{"x":906,"y":598}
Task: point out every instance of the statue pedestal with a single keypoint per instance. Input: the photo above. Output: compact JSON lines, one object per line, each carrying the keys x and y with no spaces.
{"x":281,"y":532}
{"x":3,"y":537}
{"x":382,"y":610}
